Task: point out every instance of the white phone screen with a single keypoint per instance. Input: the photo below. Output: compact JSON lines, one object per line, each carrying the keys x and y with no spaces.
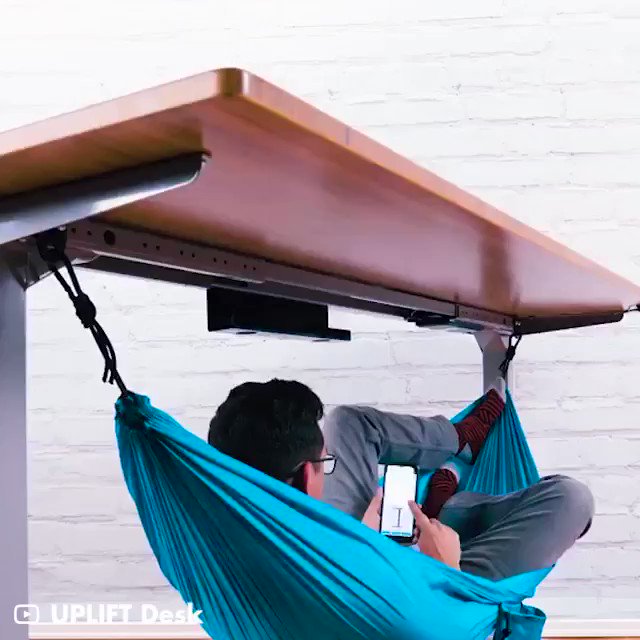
{"x":400,"y":484}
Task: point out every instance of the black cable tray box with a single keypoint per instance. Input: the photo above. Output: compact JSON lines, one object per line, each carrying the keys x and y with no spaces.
{"x":248,"y":312}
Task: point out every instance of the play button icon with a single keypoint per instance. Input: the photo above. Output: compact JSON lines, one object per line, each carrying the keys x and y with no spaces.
{"x":26,"y":614}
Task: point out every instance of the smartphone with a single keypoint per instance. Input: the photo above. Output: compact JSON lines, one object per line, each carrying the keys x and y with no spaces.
{"x":400,"y":484}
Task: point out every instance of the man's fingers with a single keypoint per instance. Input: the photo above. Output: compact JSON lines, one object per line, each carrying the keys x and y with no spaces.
{"x":422,"y":522}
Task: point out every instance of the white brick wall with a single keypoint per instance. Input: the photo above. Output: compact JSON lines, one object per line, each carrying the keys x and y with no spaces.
{"x":534,"y":106}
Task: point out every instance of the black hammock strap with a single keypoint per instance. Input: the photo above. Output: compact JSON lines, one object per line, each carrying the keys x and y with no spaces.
{"x":514,"y":341}
{"x":51,"y":249}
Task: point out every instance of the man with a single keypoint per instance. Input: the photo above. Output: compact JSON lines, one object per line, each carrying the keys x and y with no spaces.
{"x":275,"y":427}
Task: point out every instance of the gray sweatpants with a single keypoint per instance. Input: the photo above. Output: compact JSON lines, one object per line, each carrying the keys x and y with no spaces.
{"x":500,"y":536}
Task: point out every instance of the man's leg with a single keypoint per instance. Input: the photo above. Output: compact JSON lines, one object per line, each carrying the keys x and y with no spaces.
{"x":523,"y":531}
{"x":363,"y":437}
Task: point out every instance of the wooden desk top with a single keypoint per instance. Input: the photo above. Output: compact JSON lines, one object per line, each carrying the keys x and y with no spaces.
{"x":289,"y":183}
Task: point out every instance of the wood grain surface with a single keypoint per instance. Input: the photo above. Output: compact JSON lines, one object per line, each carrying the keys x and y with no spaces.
{"x":289,"y":183}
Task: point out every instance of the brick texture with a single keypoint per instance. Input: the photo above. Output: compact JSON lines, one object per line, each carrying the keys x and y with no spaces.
{"x":533,"y":106}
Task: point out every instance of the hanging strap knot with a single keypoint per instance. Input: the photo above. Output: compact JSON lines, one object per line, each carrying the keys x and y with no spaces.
{"x":85,"y":310}
{"x":51,"y":246}
{"x":510,"y":354}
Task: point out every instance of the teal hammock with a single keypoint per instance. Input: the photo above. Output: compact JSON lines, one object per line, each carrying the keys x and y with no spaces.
{"x":264,"y":561}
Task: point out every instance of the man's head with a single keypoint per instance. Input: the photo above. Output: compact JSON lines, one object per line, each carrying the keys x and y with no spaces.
{"x":274,"y":426}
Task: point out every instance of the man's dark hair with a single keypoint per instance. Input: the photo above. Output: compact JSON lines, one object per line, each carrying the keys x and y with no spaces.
{"x":272,"y":426}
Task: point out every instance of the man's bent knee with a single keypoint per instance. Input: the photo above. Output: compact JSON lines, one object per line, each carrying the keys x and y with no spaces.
{"x":575,"y":501}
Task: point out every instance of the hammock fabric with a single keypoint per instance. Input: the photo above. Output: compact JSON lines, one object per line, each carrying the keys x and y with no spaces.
{"x":505,"y":463}
{"x":264,"y":561}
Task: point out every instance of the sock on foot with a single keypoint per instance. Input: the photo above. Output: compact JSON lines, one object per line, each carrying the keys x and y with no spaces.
{"x":474,"y":429}
{"x":442,"y":485}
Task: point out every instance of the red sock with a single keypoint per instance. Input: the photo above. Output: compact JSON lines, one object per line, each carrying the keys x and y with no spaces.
{"x":474,"y":429}
{"x":442,"y":485}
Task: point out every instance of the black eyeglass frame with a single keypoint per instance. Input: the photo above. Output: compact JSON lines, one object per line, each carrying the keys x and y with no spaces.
{"x":330,"y":457}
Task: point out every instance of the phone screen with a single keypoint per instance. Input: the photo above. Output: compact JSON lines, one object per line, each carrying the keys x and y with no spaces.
{"x":400,"y":485}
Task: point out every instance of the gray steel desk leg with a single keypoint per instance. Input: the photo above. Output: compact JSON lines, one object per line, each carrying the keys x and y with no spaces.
{"x":13,"y":456}
{"x":493,"y":347}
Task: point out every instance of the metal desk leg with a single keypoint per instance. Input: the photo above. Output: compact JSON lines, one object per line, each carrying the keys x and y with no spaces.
{"x":13,"y":455}
{"x":493,"y":347}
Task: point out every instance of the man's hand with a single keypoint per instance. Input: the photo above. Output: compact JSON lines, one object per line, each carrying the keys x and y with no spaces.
{"x":435,"y":539}
{"x":372,"y":515}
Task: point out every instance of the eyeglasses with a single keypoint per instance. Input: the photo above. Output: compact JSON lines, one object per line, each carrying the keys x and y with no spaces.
{"x":328,"y":461}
